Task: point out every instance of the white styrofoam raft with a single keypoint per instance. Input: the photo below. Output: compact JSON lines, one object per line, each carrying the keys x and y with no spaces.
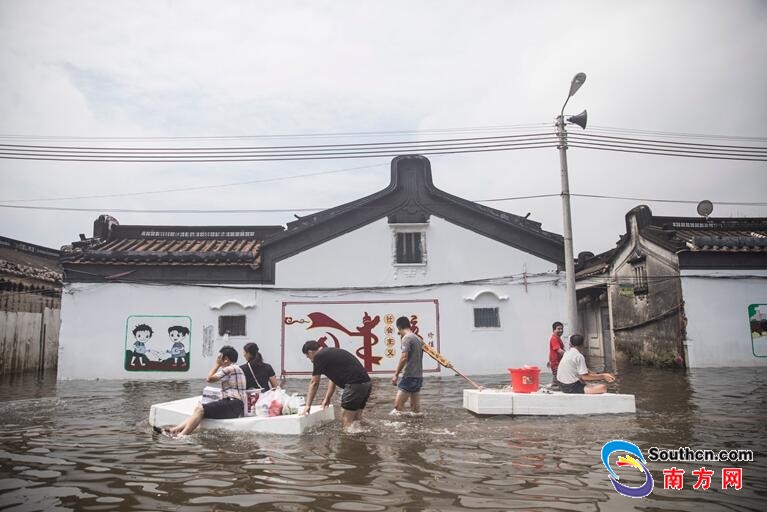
{"x":172,"y":413}
{"x":488,"y":401}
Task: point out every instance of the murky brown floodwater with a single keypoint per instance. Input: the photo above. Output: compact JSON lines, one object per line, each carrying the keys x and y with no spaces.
{"x":88,"y":446}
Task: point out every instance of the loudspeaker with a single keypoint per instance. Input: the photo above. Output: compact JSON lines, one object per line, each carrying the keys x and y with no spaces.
{"x":579,"y":119}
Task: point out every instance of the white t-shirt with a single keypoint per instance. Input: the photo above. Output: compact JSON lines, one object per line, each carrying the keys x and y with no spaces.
{"x":572,"y":365}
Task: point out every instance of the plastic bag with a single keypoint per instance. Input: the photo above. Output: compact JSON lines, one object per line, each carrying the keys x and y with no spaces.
{"x":264,"y":400}
{"x":210,"y":394}
{"x":251,"y":399}
{"x":279,"y":398}
{"x":294,"y":404}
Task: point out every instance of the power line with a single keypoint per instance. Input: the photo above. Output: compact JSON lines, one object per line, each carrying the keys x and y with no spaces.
{"x":617,"y":130}
{"x":683,"y":201}
{"x":470,"y":129}
{"x":283,"y":157}
{"x":657,"y":142}
{"x":201,"y":187}
{"x":283,"y":148}
{"x":381,"y":149}
{"x":291,"y":210}
{"x":651,"y":151}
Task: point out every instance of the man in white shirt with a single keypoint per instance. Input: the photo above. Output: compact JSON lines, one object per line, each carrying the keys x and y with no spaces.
{"x":573,"y":373}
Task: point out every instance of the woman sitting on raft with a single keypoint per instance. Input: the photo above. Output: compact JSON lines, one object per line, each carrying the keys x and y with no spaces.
{"x":258,"y":374}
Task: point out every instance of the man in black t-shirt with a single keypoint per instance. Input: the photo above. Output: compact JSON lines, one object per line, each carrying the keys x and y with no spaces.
{"x":345,"y":371}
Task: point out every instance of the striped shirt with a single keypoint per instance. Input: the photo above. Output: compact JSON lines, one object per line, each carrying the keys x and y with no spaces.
{"x":232,"y":381}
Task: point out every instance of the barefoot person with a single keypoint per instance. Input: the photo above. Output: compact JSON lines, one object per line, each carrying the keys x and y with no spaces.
{"x":344,"y":371}
{"x":411,"y":365}
{"x":573,"y":372}
{"x":230,"y":405}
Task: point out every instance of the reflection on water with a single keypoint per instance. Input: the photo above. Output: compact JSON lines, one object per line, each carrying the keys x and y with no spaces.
{"x":88,"y":446}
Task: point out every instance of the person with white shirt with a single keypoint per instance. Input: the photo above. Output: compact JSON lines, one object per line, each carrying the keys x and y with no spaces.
{"x":573,"y":373}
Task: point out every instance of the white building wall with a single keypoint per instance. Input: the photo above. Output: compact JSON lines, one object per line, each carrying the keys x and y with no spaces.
{"x":718,"y":330}
{"x":364,"y":257}
{"x":93,"y":333}
{"x":95,"y":317}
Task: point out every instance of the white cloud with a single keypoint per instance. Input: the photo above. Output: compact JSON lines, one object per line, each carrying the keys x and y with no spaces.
{"x":108,"y":68}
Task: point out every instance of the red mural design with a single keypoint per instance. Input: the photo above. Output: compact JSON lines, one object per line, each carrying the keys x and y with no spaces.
{"x":365,"y":331}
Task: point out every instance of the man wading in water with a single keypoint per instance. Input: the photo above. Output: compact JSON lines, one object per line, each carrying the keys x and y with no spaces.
{"x":345,"y":371}
{"x":411,"y":362}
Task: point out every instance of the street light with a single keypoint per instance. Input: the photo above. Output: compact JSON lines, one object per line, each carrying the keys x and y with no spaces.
{"x":580,"y":120}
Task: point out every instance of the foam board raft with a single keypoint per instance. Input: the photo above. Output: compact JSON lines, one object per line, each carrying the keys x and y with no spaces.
{"x":490,"y":401}
{"x":173,"y":413}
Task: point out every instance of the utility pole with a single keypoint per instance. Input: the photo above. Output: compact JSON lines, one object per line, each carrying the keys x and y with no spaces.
{"x":580,"y":119}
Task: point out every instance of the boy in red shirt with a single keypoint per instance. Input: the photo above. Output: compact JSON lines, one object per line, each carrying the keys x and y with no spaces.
{"x":556,"y":350}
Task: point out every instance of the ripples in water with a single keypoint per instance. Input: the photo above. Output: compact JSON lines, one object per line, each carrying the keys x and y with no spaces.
{"x":88,"y":446}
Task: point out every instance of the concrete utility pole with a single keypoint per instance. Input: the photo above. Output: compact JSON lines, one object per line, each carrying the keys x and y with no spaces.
{"x":580,"y":119}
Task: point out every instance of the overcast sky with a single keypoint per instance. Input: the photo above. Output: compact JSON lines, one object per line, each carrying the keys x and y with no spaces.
{"x":157,"y":69}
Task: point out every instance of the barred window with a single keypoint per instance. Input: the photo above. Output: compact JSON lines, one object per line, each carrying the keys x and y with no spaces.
{"x":409,"y":248}
{"x":231,"y":325}
{"x":640,"y":279}
{"x":486,"y":317}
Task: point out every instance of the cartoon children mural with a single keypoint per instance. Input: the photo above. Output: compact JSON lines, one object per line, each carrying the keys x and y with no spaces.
{"x":171,"y":355}
{"x":142,"y":334}
{"x":177,"y":352}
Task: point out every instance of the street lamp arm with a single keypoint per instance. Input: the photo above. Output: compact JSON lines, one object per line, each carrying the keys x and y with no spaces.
{"x":562,"y":112}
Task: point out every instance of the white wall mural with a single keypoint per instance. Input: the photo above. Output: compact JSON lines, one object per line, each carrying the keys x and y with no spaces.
{"x":366,"y":329}
{"x":157,"y":343}
{"x":757,"y":318}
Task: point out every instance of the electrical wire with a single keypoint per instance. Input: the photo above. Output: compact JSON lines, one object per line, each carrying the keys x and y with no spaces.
{"x":710,"y":156}
{"x":667,"y":143}
{"x":200,"y":187}
{"x":682,"y":201}
{"x":280,"y":153}
{"x":291,"y":210}
{"x":687,"y":135}
{"x":283,"y":148}
{"x":380,"y":149}
{"x":470,"y":129}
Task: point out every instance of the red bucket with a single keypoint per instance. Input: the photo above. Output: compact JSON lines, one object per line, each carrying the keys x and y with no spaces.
{"x":524,"y":380}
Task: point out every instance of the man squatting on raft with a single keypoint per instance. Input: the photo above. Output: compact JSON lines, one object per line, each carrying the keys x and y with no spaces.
{"x":231,"y":404}
{"x":573,"y":372}
{"x":345,"y":371}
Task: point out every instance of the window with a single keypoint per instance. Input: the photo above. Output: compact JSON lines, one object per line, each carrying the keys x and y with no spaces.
{"x":486,"y":317}
{"x":409,"y":248}
{"x":640,"y":279}
{"x":231,"y":325}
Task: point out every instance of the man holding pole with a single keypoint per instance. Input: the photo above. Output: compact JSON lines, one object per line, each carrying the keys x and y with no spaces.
{"x":410,"y":364}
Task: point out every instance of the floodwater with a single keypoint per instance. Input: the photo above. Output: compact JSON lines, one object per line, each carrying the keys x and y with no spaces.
{"x":88,"y":446}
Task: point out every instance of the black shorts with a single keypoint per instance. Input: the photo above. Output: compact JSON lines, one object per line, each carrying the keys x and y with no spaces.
{"x":576,"y":387}
{"x":355,"y":396}
{"x":223,"y":409}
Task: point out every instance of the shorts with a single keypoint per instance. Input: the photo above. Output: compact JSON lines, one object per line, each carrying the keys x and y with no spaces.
{"x":410,"y":384}
{"x":355,"y":396}
{"x":223,"y":409}
{"x":576,"y":387}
